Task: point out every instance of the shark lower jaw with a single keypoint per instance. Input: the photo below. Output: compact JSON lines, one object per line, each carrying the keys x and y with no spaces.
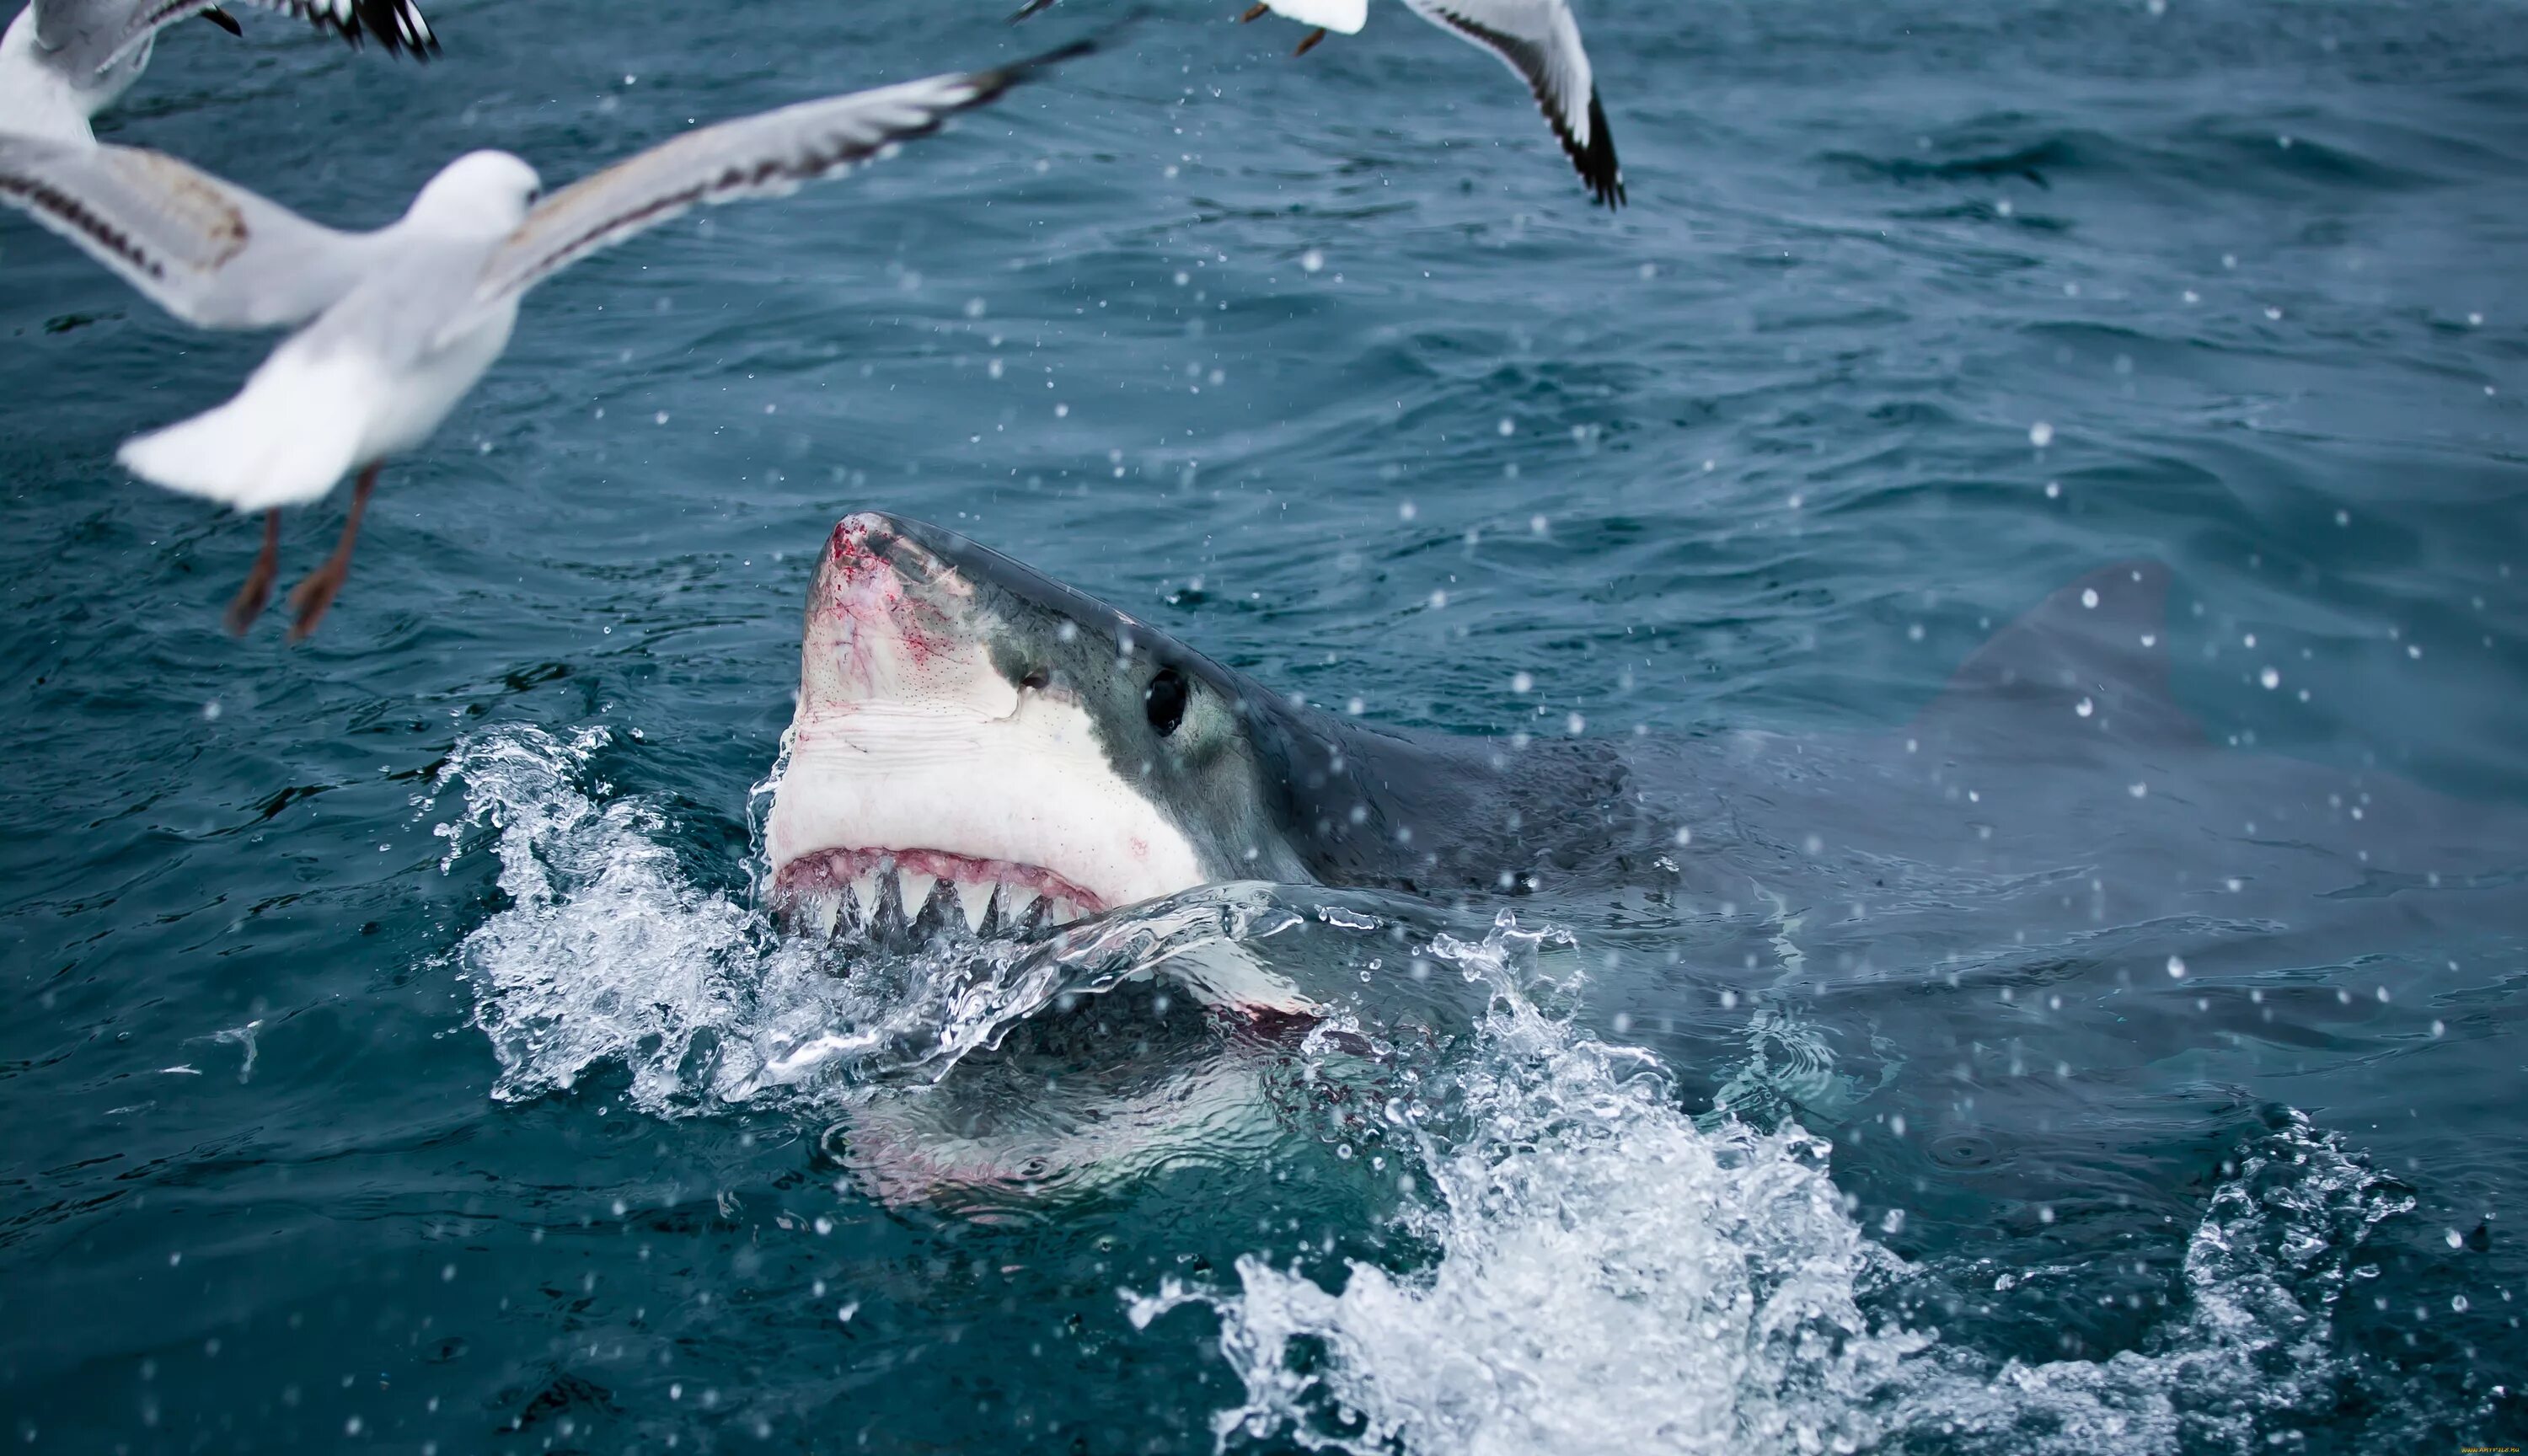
{"x":918,"y":894}
{"x":889,"y":820}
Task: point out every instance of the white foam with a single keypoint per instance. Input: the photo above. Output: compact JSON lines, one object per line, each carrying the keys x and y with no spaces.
{"x":609,"y":954}
{"x":1609,"y":1277}
{"x":606,"y":954}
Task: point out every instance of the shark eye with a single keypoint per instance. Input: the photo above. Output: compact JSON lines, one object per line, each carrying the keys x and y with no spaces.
{"x":1165,"y":701}
{"x":1035,"y":681}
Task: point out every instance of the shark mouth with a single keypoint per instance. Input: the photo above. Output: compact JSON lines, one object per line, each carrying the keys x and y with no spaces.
{"x":920,"y":895}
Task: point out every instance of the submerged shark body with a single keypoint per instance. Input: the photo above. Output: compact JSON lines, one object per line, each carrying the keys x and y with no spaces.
{"x":978,"y":749}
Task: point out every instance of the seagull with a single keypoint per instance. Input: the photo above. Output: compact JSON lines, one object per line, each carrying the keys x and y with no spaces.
{"x":63,"y":61}
{"x":395,"y":327}
{"x":1538,"y":39}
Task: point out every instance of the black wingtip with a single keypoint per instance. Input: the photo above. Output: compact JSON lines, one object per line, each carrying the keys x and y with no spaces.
{"x":224,"y":20}
{"x":1596,"y":161}
{"x":397,"y":25}
{"x":1030,"y":8}
{"x":1018,"y":71}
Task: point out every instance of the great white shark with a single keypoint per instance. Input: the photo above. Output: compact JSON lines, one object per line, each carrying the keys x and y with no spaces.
{"x":978,"y":750}
{"x":978,"y":743}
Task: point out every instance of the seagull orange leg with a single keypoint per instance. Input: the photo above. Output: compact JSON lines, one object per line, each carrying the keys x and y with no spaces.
{"x":1257,"y":14}
{"x":1310,"y":43}
{"x":316,"y":592}
{"x":247,"y":604}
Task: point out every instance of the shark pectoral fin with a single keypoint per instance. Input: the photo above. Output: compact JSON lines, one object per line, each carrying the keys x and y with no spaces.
{"x":2093,"y":659}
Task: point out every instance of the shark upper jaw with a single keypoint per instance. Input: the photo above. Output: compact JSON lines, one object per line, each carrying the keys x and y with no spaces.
{"x":929,"y":787}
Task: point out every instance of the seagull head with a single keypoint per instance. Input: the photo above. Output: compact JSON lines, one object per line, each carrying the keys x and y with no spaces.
{"x":479,"y":195}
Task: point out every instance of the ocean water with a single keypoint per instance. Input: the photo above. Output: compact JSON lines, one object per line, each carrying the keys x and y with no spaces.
{"x":397,"y":1057}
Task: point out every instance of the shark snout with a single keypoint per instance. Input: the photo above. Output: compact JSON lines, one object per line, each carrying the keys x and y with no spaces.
{"x":888,"y":621}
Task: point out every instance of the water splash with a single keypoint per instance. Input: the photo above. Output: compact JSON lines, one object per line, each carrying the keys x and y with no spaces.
{"x":606,"y":952}
{"x":1600,"y":1271}
{"x":610,"y":954}
{"x":1607,"y":1276}
{"x":2251,"y":1355}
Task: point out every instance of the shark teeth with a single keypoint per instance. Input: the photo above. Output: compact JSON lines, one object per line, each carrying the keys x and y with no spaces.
{"x":894,"y":902}
{"x":913,"y":891}
{"x":974,"y":898}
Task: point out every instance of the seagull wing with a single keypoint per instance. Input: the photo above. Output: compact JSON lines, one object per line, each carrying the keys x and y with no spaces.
{"x":82,"y":37}
{"x":397,"y":25}
{"x":207,"y":252}
{"x":758,"y":156}
{"x":1540,"y":40}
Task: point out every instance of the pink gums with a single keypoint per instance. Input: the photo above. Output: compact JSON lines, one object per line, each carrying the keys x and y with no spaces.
{"x":832,"y":869}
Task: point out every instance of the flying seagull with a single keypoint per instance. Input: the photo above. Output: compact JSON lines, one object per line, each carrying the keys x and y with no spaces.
{"x":1538,"y":39}
{"x":395,"y":327}
{"x":63,"y":61}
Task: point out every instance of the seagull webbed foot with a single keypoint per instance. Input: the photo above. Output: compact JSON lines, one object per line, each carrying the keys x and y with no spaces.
{"x":315,"y":593}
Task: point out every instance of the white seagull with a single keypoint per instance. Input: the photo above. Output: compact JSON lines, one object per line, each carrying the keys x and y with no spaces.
{"x":394,"y":327}
{"x":1538,"y":39}
{"x":63,"y":61}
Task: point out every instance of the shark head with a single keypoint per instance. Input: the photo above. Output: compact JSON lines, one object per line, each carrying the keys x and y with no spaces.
{"x":978,"y":744}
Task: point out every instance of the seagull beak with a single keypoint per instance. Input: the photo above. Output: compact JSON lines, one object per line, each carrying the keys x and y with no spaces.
{"x":224,"y":20}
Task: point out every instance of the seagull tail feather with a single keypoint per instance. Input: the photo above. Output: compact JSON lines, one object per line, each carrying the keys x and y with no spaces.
{"x":287,"y":438}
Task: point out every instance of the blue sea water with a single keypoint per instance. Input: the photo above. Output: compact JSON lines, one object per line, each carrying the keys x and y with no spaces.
{"x":397,"y":1057}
